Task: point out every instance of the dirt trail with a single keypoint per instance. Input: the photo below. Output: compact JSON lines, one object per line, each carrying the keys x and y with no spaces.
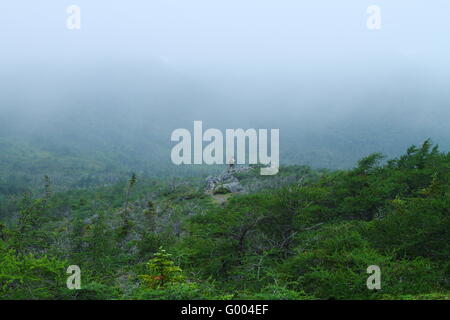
{"x":220,"y":199}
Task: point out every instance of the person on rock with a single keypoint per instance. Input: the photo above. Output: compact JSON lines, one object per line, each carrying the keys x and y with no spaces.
{"x":231,"y":164}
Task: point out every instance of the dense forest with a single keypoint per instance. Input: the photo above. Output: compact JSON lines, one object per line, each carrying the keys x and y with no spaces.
{"x":305,"y":233}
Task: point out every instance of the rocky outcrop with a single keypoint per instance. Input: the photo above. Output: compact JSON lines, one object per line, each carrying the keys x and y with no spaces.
{"x":225,"y":183}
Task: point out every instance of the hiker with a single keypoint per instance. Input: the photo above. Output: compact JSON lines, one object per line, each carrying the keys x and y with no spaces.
{"x":231,"y":164}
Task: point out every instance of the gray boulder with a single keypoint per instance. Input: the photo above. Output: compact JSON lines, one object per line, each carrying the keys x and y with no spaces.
{"x":223,"y":183}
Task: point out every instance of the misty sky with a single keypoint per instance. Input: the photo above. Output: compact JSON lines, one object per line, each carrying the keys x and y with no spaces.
{"x":250,"y":33}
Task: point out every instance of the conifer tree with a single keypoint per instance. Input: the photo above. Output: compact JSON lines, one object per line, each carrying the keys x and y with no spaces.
{"x":162,"y":270}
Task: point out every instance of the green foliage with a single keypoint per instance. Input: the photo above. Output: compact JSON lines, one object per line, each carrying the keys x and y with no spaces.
{"x":93,"y":291}
{"x":303,"y":234}
{"x":274,"y":292}
{"x":333,"y":266}
{"x":178,"y":291}
{"x":321,"y":237}
{"x":25,"y":276}
{"x":161,"y":271}
{"x":221,"y":190}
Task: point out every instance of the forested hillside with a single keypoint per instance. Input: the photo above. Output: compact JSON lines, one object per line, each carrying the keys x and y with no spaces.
{"x":302,"y":234}
{"x":109,"y":119}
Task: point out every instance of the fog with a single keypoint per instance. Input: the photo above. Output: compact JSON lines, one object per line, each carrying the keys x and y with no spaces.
{"x":137,"y":70}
